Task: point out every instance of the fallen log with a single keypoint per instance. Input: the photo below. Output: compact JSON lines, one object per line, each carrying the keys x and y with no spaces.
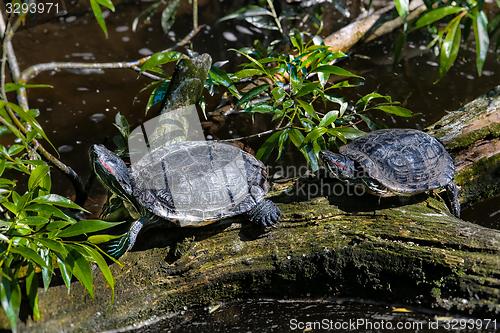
{"x":417,"y":253}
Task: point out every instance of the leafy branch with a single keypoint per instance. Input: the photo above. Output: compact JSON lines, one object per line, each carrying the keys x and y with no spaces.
{"x":300,"y":89}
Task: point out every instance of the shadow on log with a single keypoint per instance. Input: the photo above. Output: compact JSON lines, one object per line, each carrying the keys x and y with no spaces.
{"x":418,"y":254}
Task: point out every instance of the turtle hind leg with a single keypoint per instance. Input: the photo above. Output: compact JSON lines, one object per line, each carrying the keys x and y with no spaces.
{"x":452,"y":194}
{"x":265,"y":214}
{"x":117,"y":247}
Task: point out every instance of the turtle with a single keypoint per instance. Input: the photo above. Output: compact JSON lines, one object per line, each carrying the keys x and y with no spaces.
{"x":395,"y":162}
{"x":189,"y":184}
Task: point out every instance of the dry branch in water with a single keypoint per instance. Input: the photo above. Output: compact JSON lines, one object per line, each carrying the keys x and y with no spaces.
{"x":365,"y":28}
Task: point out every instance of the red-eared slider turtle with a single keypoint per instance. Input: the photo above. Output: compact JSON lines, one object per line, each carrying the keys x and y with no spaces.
{"x":395,"y":162}
{"x":190,"y":183}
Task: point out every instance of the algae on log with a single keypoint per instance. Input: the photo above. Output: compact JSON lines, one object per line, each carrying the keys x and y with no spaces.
{"x":416,"y":254}
{"x":472,"y":135}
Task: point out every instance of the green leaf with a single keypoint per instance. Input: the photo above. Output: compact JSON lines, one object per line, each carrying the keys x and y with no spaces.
{"x":10,"y":296}
{"x":315,"y":134}
{"x":335,"y":70}
{"x":53,"y":245}
{"x":160,"y":58}
{"x":246,"y":73}
{"x":15,"y":149}
{"x":252,"y":93}
{"x":450,"y":45}
{"x":268,"y":146}
{"x":297,"y":137}
{"x":49,"y":210}
{"x":107,"y":3}
{"x":38,"y":175}
{"x":260,"y":108}
{"x":32,"y":292}
{"x":157,"y":95}
{"x":28,"y":254}
{"x":394,"y":109}
{"x":65,"y":273}
{"x":99,"y":239}
{"x":308,"y":108}
{"x":328,"y":118}
{"x":281,"y":142}
{"x":34,"y":220}
{"x":247,"y":12}
{"x":220,"y":77}
{"x":278,"y":94}
{"x":9,"y":87}
{"x":168,"y":15}
{"x":436,"y":14}
{"x":57,"y":200}
{"x":402,"y":7}
{"x":308,"y":88}
{"x":86,"y":226}
{"x":252,"y":59}
{"x":81,"y":268}
{"x":122,"y":125}
{"x":96,"y":9}
{"x":47,"y":270}
{"x":480,"y":24}
{"x":103,"y":266}
{"x":350,"y":133}
{"x":374,"y":95}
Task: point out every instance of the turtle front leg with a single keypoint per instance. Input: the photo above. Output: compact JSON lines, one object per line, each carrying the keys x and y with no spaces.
{"x":265,"y":213}
{"x":117,"y":247}
{"x":452,"y":194}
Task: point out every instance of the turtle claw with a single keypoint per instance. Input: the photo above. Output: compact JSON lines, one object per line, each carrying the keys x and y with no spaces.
{"x":265,"y":214}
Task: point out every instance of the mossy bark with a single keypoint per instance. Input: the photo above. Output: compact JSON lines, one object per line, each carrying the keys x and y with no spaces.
{"x":415,"y":253}
{"x":472,"y":135}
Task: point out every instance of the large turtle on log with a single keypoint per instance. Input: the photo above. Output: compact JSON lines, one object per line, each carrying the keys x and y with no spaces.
{"x":189,"y":183}
{"x":392,"y":162}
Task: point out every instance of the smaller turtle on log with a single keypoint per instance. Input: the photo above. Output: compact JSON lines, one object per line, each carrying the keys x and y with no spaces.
{"x":190,"y":184}
{"x":395,"y":162}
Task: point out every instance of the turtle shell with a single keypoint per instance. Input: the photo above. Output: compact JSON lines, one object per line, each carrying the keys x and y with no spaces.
{"x":194,"y":181}
{"x":405,"y":161}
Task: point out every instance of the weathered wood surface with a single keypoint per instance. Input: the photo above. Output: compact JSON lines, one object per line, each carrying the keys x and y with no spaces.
{"x":415,"y":253}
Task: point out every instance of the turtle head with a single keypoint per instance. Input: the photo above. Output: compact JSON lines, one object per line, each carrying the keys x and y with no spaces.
{"x":111,"y":171}
{"x":339,"y":166}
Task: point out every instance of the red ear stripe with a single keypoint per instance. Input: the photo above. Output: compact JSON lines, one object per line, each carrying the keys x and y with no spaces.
{"x":106,"y":166}
{"x":340,"y":166}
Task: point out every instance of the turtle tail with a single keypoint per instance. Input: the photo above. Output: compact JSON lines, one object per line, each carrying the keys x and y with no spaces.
{"x":265,"y":213}
{"x":117,"y":247}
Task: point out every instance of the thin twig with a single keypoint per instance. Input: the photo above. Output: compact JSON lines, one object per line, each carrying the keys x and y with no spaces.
{"x":195,"y":14}
{"x":32,"y":71}
{"x":257,"y":135}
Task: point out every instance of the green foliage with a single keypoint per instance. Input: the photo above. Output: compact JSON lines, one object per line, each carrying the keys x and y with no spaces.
{"x":96,"y":6}
{"x":39,"y":232}
{"x":448,"y":37}
{"x":168,"y":9}
{"x":300,"y":90}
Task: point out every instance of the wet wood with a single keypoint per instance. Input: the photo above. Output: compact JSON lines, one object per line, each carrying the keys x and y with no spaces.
{"x":371,"y":26}
{"x":414,"y":253}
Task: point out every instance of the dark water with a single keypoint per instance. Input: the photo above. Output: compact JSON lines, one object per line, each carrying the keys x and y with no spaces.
{"x":80,"y":110}
{"x":311,"y":315}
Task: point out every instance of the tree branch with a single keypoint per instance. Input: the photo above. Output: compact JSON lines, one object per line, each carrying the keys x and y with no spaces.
{"x":363,"y":28}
